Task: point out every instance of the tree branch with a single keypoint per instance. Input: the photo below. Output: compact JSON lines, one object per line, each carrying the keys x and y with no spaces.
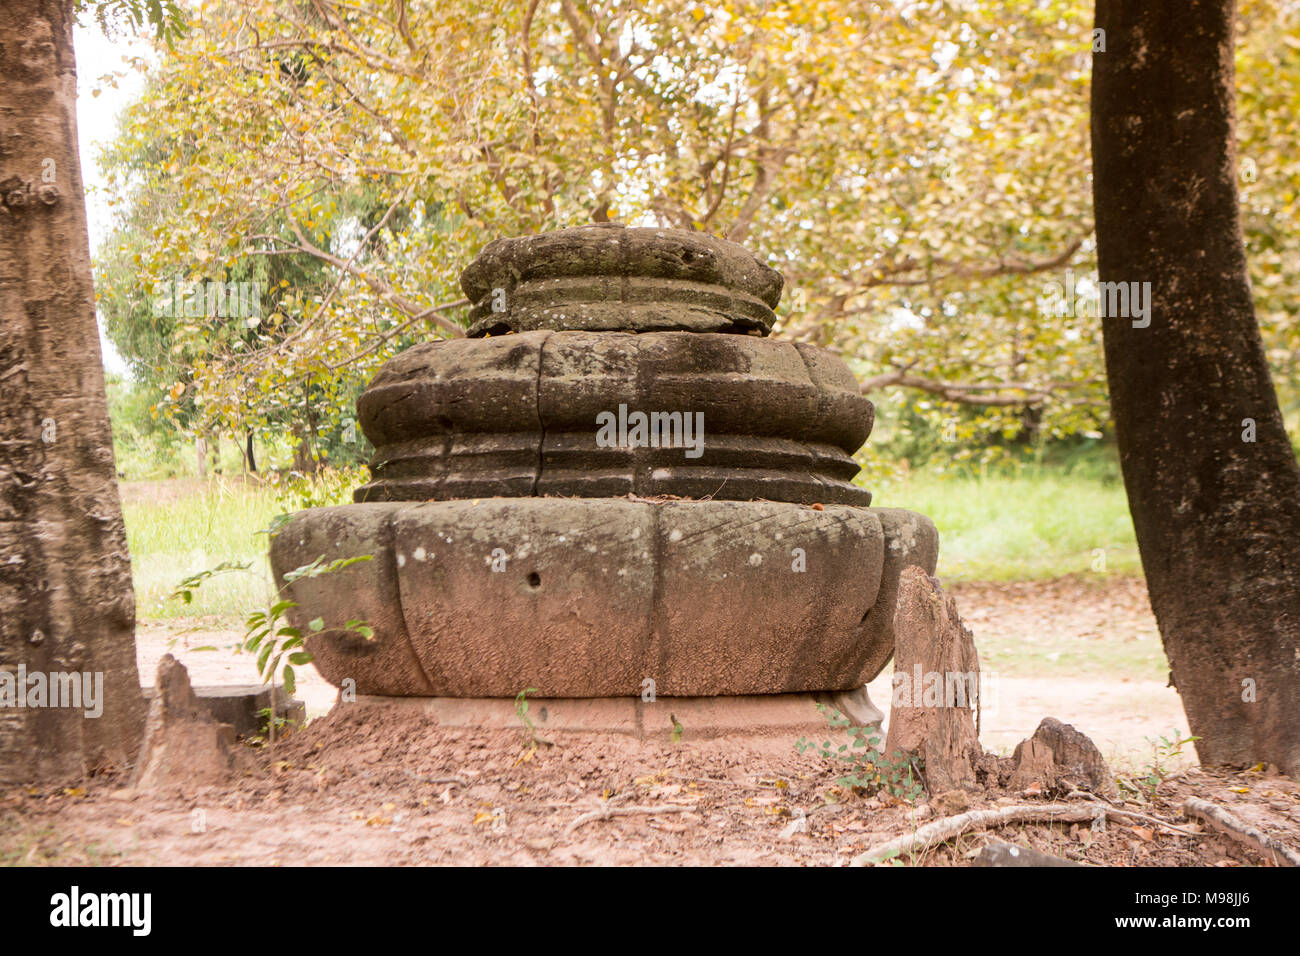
{"x":1027,"y":393}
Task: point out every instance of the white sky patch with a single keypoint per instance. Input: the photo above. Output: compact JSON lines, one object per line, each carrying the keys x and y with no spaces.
{"x":901,"y":318}
{"x":722,"y":91}
{"x":945,"y":53}
{"x":638,"y":33}
{"x":97,"y":116}
{"x":542,"y":77}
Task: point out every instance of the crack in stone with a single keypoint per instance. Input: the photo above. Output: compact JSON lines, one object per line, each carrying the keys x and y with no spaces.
{"x":541,"y":424}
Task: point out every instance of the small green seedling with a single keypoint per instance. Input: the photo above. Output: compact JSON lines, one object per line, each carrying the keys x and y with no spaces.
{"x":869,"y":769}
{"x":521,"y":711}
{"x":265,"y":632}
{"x":1162,"y":751}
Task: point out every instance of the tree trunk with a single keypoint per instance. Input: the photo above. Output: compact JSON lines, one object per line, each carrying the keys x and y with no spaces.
{"x":302,"y":462}
{"x":201,"y":451}
{"x":66,"y":602}
{"x":1212,"y":481}
{"x":249,"y":459}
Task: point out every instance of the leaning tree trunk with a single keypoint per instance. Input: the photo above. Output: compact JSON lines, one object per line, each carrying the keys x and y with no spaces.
{"x":1212,"y":480}
{"x":66,"y":602}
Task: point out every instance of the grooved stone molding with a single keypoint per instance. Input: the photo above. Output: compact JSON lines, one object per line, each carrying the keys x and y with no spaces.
{"x":589,"y":597}
{"x":611,"y":278}
{"x":516,"y":416}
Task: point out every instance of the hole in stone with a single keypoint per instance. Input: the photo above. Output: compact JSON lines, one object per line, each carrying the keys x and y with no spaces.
{"x":534,"y":580}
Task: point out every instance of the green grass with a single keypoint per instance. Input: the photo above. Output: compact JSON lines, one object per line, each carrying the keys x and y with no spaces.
{"x":193,"y":532}
{"x":996,"y":528}
{"x":1003,"y":528}
{"x":1067,"y":656}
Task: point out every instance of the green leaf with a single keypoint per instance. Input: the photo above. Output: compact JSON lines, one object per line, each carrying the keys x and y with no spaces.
{"x":279,"y":607}
{"x":263,"y":658}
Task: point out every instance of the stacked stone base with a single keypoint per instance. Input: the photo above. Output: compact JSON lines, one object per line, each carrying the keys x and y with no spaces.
{"x":595,"y":598}
{"x":615,"y":489}
{"x":666,"y":719}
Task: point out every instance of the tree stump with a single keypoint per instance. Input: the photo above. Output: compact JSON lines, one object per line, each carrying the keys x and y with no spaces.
{"x":936,"y":686}
{"x":183,"y":745}
{"x":1058,"y":757}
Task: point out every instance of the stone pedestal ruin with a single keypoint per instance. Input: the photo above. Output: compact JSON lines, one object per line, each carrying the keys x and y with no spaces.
{"x":545,"y":513}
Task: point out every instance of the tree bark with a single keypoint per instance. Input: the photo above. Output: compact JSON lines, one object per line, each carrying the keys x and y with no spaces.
{"x":1217,"y":516}
{"x":302,"y":460}
{"x":936,"y":685}
{"x":66,"y":602}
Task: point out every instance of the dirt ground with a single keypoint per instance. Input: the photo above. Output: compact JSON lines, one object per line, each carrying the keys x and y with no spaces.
{"x":1034,"y":639}
{"x":345,"y":790}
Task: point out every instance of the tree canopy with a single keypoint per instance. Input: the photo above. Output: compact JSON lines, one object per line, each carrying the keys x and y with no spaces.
{"x":917,"y":170}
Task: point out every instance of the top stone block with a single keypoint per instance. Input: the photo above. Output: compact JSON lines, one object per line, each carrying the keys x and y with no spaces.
{"x":608,"y":277}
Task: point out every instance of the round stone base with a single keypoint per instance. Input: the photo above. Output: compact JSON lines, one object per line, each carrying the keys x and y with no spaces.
{"x":700,"y":718}
{"x":599,"y":597}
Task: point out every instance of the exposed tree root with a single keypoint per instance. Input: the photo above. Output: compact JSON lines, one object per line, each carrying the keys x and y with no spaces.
{"x":1121,"y":813}
{"x":941,"y":831}
{"x":1222,"y":820}
{"x":604,"y":813}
